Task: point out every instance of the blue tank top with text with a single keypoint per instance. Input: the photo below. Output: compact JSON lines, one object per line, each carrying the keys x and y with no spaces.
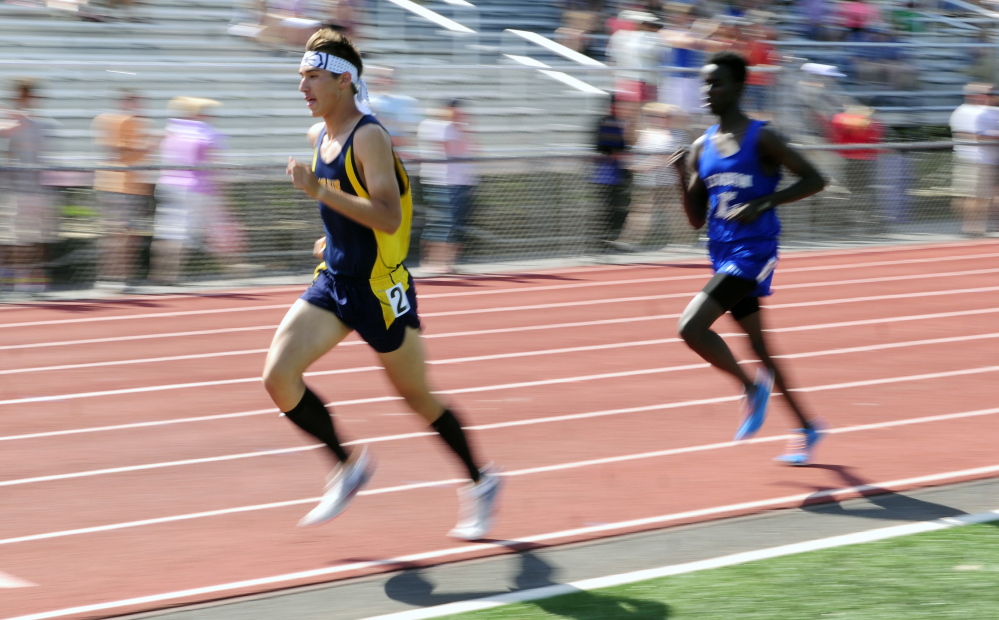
{"x":735,"y":180}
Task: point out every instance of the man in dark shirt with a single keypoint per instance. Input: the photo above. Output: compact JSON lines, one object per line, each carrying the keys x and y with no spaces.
{"x":611,"y":178}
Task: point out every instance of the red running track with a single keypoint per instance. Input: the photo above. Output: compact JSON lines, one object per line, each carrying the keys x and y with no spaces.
{"x":144,"y":466}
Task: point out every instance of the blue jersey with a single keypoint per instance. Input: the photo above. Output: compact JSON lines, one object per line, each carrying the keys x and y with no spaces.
{"x":733,"y":181}
{"x":354,"y":250}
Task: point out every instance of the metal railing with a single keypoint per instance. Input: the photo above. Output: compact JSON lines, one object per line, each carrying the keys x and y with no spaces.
{"x":524,"y":209}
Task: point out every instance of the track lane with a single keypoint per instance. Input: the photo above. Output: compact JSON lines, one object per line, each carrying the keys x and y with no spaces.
{"x":598,"y":436}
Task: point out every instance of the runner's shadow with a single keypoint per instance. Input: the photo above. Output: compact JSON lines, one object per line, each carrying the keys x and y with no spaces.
{"x":888,"y":505}
{"x":412,"y":587}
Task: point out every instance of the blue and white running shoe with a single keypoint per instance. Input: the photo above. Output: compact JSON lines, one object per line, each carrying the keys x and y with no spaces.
{"x":802,"y":444}
{"x":754,"y":405}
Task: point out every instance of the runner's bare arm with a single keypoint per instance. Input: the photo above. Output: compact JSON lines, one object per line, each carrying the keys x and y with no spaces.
{"x":692,"y":188}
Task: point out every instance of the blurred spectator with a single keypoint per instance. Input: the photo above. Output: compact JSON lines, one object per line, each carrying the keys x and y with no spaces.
{"x":124,"y":194}
{"x":818,"y":95}
{"x":636,"y":54}
{"x":400,"y":114}
{"x":99,"y":11}
{"x":663,"y":132}
{"x":340,"y":15}
{"x":577,"y":32}
{"x":28,"y":223}
{"x":189,"y":209}
{"x":123,"y":10}
{"x":884,"y":65}
{"x":856,"y":16}
{"x":447,"y":186}
{"x":611,"y":178}
{"x":279,"y":24}
{"x":763,"y":59}
{"x":982,"y":66}
{"x":726,"y":36}
{"x":691,"y":41}
{"x":817,"y":14}
{"x":975,"y":125}
{"x":905,"y":16}
{"x":856,"y":125}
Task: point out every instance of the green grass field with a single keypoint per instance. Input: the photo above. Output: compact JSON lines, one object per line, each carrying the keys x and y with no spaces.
{"x":951,"y":573}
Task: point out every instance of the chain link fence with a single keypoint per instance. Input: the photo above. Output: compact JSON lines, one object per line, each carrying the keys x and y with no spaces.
{"x":523,"y":209}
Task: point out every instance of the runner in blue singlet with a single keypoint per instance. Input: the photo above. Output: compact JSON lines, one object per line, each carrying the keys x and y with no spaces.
{"x":732,"y":188}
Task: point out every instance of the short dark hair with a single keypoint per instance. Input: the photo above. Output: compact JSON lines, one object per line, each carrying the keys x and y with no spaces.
{"x":25,"y":87}
{"x":330,"y":41}
{"x":736,"y":64}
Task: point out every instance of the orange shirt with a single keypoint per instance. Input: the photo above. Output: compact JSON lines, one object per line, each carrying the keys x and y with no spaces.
{"x":126,"y":138}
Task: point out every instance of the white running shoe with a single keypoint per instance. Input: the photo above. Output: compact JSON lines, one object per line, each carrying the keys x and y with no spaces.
{"x":478,"y":506}
{"x":344,"y":482}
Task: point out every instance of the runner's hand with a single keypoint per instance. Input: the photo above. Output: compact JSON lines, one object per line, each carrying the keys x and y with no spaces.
{"x":679,"y":158}
{"x":748,"y":212}
{"x":318,"y":247}
{"x":302,"y":177}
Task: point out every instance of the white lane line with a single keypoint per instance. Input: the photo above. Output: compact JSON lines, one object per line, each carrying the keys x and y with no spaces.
{"x":245,"y":455}
{"x":156,"y":315}
{"x":534,"y":470}
{"x":456,"y":360}
{"x":892,"y":345}
{"x":786,"y":256}
{"x":685,"y":295}
{"x":200,"y":332}
{"x":557,"y":287}
{"x":553,"y":326}
{"x":610,"y":581}
{"x":209,"y":332}
{"x":913,"y":317}
{"x":912,"y":247}
{"x":930,"y":375}
{"x":193,"y":295}
{"x":853,"y":300}
{"x":245,"y":380}
{"x":150,"y":315}
{"x":132,"y":425}
{"x":146,"y":360}
{"x":659,"y":520}
{"x":10,"y":581}
{"x":498,"y":356}
{"x":206,"y":332}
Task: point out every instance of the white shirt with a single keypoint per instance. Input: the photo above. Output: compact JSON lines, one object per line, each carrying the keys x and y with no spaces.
{"x":651,"y":147}
{"x":399,"y":114}
{"x":982,"y":122}
{"x":440,"y":140}
{"x":635,"y":49}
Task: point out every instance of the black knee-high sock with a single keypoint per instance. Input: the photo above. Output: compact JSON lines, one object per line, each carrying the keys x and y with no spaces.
{"x":311,"y":416}
{"x":450,"y":431}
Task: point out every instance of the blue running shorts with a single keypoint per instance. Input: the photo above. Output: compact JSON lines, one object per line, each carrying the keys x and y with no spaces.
{"x":751,"y":259}
{"x":379,"y":310}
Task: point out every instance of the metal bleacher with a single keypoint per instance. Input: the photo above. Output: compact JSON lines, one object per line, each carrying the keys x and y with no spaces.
{"x":182,"y":47}
{"x":941,"y":51}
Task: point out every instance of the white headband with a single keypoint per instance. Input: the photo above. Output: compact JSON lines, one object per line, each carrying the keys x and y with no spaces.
{"x":335,"y":64}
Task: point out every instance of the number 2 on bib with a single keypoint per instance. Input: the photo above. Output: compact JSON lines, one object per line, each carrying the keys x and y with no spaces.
{"x":398,"y":300}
